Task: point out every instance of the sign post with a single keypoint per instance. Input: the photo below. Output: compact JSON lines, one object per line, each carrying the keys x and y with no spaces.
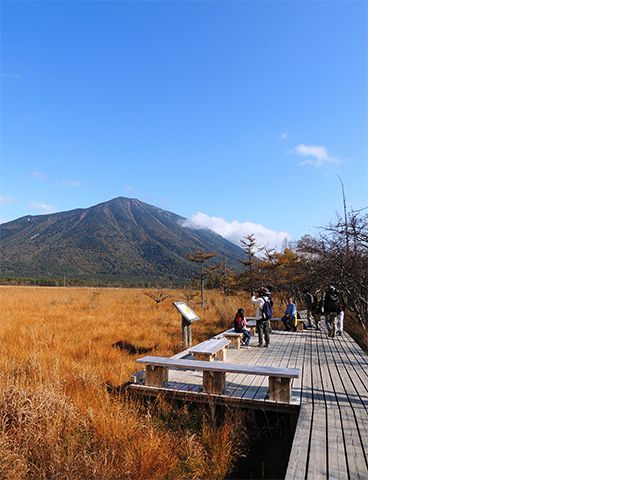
{"x":188,"y":317}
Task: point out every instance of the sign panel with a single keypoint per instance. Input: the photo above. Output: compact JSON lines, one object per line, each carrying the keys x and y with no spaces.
{"x":186,"y":312}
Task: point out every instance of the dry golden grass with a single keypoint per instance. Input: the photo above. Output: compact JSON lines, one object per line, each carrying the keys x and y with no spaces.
{"x":63,"y":350}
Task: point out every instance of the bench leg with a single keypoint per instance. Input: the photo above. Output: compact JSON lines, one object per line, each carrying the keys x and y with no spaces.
{"x":214,"y":382}
{"x":235,"y":341}
{"x":280,"y":389}
{"x":205,"y":357}
{"x":155,"y":376}
{"x":220,"y":355}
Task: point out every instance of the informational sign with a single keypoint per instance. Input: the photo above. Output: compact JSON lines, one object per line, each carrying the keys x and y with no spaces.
{"x":186,"y":312}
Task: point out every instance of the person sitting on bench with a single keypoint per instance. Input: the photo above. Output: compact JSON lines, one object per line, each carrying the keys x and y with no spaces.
{"x":240,"y":326}
{"x":289,"y":317}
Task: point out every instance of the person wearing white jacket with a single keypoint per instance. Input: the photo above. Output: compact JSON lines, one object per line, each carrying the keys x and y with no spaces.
{"x":263,"y":327}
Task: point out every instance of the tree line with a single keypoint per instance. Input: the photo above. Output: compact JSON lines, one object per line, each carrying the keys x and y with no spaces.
{"x":338,"y":256}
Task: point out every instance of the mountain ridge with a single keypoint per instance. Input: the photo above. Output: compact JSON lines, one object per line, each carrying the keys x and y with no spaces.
{"x":120,"y":237}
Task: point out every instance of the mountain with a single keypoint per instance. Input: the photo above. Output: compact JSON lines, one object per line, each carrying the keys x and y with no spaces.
{"x":121,"y":238}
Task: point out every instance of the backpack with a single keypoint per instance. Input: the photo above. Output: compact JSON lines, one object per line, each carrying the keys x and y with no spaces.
{"x":238,"y":323}
{"x":267,"y":311}
{"x":332,"y":302}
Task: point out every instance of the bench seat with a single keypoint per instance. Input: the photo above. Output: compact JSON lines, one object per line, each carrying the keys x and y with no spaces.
{"x":233,"y":337}
{"x":212,"y":349}
{"x":214,"y":375}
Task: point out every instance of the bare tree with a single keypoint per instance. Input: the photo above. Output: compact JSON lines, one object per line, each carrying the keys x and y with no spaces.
{"x":328,"y":261}
{"x":200,"y":258}
{"x":224,"y":276}
{"x":188,"y":295}
{"x":158,"y":295}
{"x":250,"y":248}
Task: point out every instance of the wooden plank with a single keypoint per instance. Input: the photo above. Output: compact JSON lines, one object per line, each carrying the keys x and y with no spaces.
{"x":219,"y":367}
{"x":355,"y":446}
{"x":296,"y":360}
{"x":354,"y":347}
{"x":353,"y":415}
{"x":210,"y":346}
{"x":336,"y":453}
{"x":299,"y":456}
{"x":317,"y":465}
{"x":351,"y":383}
{"x":350,"y":389}
{"x":297,"y":466}
{"x":349,"y":354}
{"x":201,"y":397}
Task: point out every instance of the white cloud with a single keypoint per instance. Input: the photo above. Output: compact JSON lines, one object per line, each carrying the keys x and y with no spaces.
{"x":318,"y":153}
{"x":284,"y":135}
{"x":129,"y":188}
{"x":45,"y":207}
{"x":38,"y":175}
{"x":15,"y":76}
{"x":5,"y":199}
{"x":235,"y":231}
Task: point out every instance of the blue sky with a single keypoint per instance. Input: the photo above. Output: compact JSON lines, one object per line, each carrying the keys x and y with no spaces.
{"x":237,"y":115}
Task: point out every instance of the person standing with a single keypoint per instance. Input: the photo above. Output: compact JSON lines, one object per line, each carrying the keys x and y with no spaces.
{"x":340,"y":328}
{"x":331,"y":306}
{"x":309,"y":300}
{"x":240,"y":326}
{"x":316,"y":309}
{"x":289,"y":317}
{"x":264,"y":313}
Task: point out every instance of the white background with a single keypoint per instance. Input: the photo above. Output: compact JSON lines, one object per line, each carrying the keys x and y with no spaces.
{"x":504,"y":213}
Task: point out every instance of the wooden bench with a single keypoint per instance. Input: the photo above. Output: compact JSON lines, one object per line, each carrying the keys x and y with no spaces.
{"x":251,"y":325}
{"x":212,"y":349}
{"x":233,"y":337}
{"x":214,"y":375}
{"x":251,"y":322}
{"x":299,"y":324}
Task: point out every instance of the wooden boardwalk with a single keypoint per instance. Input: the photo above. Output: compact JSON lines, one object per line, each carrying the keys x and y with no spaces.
{"x":330,"y":397}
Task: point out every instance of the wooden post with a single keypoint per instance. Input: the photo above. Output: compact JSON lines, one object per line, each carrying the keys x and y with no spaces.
{"x":220,"y":355}
{"x":214,"y":382}
{"x":155,"y":376}
{"x":205,"y":357}
{"x":234,"y":339}
{"x":186,"y":332}
{"x":280,"y":389}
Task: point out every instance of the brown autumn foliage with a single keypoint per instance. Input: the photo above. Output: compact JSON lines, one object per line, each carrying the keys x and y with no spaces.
{"x":63,"y":354}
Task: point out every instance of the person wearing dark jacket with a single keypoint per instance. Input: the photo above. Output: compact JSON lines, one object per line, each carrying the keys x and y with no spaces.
{"x":312,"y":317}
{"x":240,"y":326}
{"x":331,"y":306}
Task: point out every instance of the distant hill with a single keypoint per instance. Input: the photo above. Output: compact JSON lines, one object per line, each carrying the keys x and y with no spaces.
{"x":121,"y":238}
